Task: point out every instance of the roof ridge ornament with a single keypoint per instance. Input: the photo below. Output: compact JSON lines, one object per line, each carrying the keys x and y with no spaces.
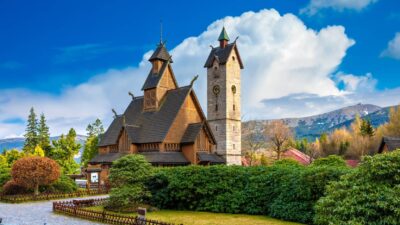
{"x":131,"y":94}
{"x":193,"y":80}
{"x":115,"y":113}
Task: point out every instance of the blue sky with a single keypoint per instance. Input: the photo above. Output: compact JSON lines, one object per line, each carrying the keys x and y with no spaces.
{"x":53,"y":51}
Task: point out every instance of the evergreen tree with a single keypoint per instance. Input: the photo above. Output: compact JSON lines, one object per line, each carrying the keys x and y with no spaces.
{"x":366,"y":129}
{"x":31,"y":135}
{"x":44,"y":135}
{"x":94,"y":132}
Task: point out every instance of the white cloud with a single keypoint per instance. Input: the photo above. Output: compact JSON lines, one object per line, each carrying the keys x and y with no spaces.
{"x":393,"y":48}
{"x":290,"y":70}
{"x":339,"y":5}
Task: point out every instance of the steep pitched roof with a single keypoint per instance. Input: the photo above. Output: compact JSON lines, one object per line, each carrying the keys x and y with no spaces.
{"x":147,"y":127}
{"x":223,"y":35}
{"x":209,"y":157}
{"x":191,"y":133}
{"x":110,"y":137}
{"x":107,"y":158}
{"x":153,"y":79}
{"x":222,"y":54}
{"x":392,"y":144}
{"x":160,"y":53}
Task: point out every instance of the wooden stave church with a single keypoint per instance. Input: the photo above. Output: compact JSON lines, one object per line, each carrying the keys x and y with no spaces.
{"x":167,"y":125}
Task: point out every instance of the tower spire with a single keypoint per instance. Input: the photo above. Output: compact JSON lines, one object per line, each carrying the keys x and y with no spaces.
{"x":161,"y":41}
{"x":223,"y":38}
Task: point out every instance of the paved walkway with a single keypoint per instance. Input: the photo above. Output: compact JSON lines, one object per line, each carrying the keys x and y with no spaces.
{"x":37,"y":213}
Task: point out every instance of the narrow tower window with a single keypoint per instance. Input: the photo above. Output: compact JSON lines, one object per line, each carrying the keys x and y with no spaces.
{"x":234,"y":108}
{"x":233,"y":58}
{"x":233,"y":146}
{"x":216,"y":107}
{"x":216,"y":128}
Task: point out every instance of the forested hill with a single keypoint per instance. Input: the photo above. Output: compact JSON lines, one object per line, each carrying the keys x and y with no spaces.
{"x":313,"y":126}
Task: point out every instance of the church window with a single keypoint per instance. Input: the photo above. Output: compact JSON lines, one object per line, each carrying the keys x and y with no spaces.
{"x":216,"y":107}
{"x":233,"y":146}
{"x":233,"y":89}
{"x":233,"y":58}
{"x":234,"y":108}
{"x":233,"y":128}
{"x":216,"y":128}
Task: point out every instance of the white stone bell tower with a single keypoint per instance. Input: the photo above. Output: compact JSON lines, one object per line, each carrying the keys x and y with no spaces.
{"x":223,"y":98}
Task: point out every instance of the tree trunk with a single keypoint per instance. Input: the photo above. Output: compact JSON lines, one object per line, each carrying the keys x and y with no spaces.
{"x":36,"y":189}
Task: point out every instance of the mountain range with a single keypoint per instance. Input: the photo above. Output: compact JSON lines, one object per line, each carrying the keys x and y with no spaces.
{"x":312,"y":127}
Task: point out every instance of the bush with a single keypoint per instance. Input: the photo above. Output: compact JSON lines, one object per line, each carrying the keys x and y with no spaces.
{"x":368,"y":195}
{"x":128,"y":176}
{"x":64,"y":184}
{"x":4,"y":176}
{"x":13,"y":188}
{"x":285,"y":190}
{"x":332,"y":160}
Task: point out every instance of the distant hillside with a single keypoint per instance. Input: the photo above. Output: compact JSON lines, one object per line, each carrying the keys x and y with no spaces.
{"x":313,"y":126}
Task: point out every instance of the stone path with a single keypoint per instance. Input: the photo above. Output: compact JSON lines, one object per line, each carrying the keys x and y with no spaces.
{"x":37,"y":213}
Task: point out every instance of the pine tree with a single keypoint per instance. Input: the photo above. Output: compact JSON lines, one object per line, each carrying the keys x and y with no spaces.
{"x":31,"y":135}
{"x":366,"y":129}
{"x":44,"y":135}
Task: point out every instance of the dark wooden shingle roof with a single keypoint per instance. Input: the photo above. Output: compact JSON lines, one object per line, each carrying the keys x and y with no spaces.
{"x":153,"y":79}
{"x":165,"y":158}
{"x":106,"y":158}
{"x":392,"y":144}
{"x":191,"y":133}
{"x":222,"y":55}
{"x":210,"y":157}
{"x":147,"y":127}
{"x":160,"y":53}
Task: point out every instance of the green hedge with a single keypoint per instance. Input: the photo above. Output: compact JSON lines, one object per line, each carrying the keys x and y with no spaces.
{"x":285,"y":190}
{"x":368,"y":195}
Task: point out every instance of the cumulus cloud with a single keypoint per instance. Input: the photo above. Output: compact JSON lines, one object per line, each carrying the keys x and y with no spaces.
{"x":393,"y":48}
{"x":290,"y":70}
{"x":339,"y":5}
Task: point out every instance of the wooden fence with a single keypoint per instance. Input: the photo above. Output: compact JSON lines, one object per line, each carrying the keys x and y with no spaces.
{"x":49,"y":196}
{"x":74,"y":208}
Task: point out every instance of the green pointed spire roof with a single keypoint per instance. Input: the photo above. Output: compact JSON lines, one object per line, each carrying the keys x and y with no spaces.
{"x":223,"y":35}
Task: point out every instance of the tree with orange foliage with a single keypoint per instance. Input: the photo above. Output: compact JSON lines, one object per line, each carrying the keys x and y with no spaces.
{"x":33,"y":171}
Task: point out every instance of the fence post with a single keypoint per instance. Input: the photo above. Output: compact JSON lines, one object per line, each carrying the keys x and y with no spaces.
{"x":104,"y":216}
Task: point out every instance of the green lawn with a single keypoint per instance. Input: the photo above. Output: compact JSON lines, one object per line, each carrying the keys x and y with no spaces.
{"x":206,"y":218}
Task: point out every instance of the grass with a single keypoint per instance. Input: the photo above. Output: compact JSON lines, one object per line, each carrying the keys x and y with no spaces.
{"x":206,"y":218}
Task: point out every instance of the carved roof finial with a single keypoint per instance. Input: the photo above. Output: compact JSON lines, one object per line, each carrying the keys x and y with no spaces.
{"x":131,"y":94}
{"x":115,"y":113}
{"x":193,"y":80}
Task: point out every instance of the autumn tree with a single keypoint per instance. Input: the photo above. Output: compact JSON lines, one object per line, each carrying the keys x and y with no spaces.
{"x":31,"y":135}
{"x":278,"y":134}
{"x":252,"y":141}
{"x":94,"y":132}
{"x":392,"y":128}
{"x":33,"y":171}
{"x":64,"y":150}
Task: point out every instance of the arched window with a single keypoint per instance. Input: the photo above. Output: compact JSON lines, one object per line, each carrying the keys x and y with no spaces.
{"x":234,"y":108}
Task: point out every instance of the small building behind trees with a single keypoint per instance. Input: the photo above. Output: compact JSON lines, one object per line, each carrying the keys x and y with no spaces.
{"x":389,"y":144}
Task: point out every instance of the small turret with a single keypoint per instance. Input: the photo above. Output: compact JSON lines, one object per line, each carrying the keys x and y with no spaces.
{"x":223,"y":38}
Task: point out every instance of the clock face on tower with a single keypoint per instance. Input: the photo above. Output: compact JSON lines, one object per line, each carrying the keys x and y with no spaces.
{"x":216,"y":89}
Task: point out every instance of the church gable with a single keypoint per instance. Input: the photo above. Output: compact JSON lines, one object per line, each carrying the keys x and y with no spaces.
{"x":188,"y":113}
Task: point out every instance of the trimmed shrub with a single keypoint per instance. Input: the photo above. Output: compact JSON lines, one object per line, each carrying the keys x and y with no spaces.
{"x":13,"y":188}
{"x":285,"y":190}
{"x":368,"y":195}
{"x":128,"y":176}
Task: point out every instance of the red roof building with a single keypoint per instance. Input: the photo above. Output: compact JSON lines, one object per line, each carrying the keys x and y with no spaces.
{"x":297,"y":155}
